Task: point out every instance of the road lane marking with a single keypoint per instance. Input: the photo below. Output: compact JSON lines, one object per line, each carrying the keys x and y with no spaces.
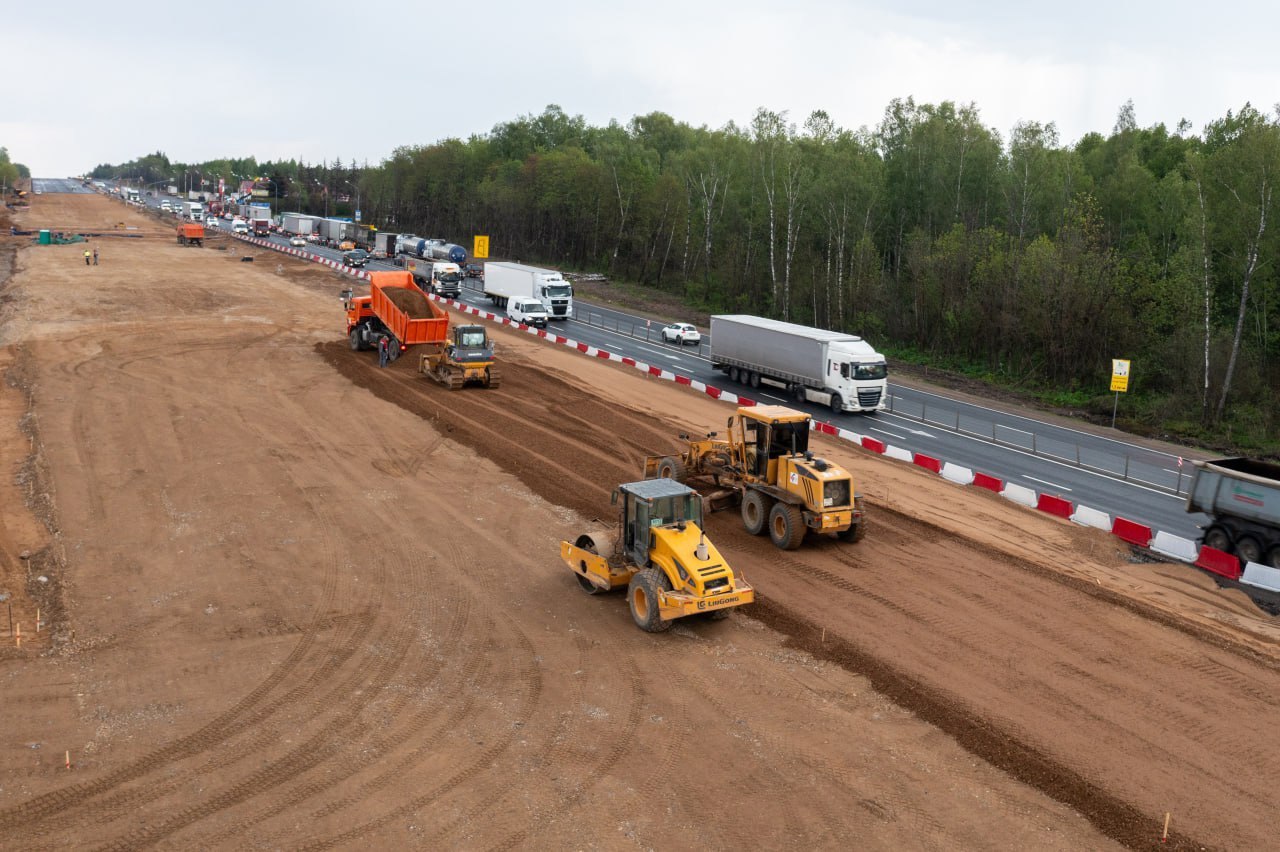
{"x":1046,"y":482}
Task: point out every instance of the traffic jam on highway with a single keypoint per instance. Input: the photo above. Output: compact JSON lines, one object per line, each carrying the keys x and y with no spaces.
{"x":836,"y":377}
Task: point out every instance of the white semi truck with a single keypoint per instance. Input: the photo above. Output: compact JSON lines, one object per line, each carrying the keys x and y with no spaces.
{"x":195,"y":211}
{"x":504,"y":281}
{"x":830,"y":368}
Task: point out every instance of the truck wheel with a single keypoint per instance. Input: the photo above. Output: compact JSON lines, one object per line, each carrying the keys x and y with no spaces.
{"x":755,"y":512}
{"x":671,"y":468}
{"x":1218,"y":539}
{"x":755,"y":379}
{"x":1273,"y":558}
{"x":1248,"y":549}
{"x":735,"y":374}
{"x":354,"y":337}
{"x":798,"y":394}
{"x":837,"y":404}
{"x":786,"y":526}
{"x":642,"y":593}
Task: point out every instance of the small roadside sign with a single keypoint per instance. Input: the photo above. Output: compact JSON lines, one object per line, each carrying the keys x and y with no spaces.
{"x":357,"y":215}
{"x":1119,"y":375}
{"x":481,"y":247}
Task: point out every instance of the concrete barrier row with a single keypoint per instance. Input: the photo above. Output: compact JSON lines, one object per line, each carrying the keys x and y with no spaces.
{"x":1132,"y":532}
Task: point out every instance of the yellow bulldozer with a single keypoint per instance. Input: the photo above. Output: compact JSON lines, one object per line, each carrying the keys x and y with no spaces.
{"x":661,"y":555}
{"x":467,"y":358}
{"x":765,"y":466}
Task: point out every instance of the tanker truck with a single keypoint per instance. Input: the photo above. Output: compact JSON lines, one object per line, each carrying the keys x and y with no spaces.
{"x":440,"y":250}
{"x":826,"y":367}
{"x":1242,"y":498}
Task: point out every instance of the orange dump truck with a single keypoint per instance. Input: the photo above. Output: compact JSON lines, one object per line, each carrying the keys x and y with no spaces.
{"x":396,"y":309}
{"x":190,"y":234}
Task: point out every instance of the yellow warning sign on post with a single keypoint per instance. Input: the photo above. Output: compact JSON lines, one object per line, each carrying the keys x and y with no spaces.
{"x":1119,"y":375}
{"x":481,"y":248}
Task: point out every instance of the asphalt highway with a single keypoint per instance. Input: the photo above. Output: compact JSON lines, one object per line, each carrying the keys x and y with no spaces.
{"x":1107,"y":473}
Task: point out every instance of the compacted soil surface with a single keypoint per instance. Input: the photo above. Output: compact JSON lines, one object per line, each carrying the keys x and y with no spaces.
{"x":288,"y":599}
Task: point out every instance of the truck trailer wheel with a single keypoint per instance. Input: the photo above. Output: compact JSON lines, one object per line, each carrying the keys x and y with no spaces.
{"x":786,"y":526}
{"x":755,"y":512}
{"x":642,"y":594}
{"x":1218,"y":539}
{"x":1273,"y":558}
{"x":1248,"y":549}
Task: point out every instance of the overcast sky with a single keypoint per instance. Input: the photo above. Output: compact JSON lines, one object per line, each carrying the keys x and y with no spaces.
{"x":93,"y":82}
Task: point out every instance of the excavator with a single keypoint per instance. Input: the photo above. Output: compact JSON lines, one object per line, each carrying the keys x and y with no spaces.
{"x":660,"y":553}
{"x":765,"y":466}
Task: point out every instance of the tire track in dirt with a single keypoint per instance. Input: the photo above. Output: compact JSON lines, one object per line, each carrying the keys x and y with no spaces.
{"x":998,"y":745}
{"x":319,"y":747}
{"x":245,"y":715}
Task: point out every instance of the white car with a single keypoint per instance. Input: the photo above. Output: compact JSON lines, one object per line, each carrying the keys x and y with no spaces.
{"x":164,"y":205}
{"x":297,"y":240}
{"x":527,"y":312}
{"x":682,"y":333}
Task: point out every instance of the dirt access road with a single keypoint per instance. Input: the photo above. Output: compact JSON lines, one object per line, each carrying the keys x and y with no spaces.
{"x":293,"y":600}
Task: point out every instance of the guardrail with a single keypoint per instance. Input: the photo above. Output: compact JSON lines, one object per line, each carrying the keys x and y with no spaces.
{"x":1161,"y":471}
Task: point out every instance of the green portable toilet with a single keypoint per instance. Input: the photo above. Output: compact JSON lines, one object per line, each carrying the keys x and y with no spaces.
{"x":45,"y":239}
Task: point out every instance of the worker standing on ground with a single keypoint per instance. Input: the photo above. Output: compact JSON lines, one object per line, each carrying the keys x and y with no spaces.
{"x":384,"y":352}
{"x":87,"y":254}
{"x":95,"y":255}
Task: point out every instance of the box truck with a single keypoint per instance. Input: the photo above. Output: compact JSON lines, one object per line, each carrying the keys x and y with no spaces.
{"x":503,"y":281}
{"x":830,"y":368}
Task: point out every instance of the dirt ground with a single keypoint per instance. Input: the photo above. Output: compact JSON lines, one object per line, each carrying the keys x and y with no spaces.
{"x":291,"y":600}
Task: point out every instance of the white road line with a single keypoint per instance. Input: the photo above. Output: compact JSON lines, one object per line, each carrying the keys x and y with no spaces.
{"x":918,"y":432}
{"x":1046,"y":482}
{"x":771,"y":396}
{"x":886,"y":432}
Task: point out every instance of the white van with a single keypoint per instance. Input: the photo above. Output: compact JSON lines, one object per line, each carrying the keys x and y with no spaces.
{"x":528,"y":311}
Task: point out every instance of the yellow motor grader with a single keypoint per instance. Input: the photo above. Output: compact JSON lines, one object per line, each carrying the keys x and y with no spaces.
{"x":661,"y":555}
{"x":765,"y":466}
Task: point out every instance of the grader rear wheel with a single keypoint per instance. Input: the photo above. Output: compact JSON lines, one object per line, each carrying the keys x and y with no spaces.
{"x":786,"y":526}
{"x":755,"y":512}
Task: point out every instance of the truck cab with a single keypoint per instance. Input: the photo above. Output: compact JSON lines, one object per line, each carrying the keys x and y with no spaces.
{"x":446,"y":279}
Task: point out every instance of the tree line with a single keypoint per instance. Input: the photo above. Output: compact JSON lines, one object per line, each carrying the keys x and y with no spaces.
{"x":1018,"y":258}
{"x":10,"y":172}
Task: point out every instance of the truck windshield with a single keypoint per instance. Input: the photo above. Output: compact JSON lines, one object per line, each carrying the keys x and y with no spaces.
{"x":449,"y":277}
{"x":864,"y":371}
{"x":559,"y":290}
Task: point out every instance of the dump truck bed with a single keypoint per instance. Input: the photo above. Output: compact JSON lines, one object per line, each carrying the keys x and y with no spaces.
{"x":405,"y":310}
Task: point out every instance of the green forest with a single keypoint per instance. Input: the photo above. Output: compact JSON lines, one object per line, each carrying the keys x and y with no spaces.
{"x":1019,"y":260}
